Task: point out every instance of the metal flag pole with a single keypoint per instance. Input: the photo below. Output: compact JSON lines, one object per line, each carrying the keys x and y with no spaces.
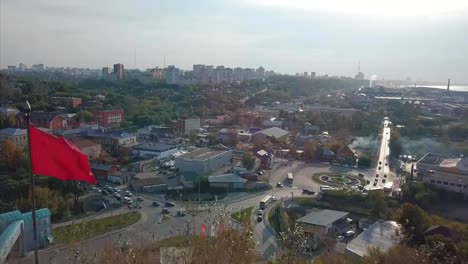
{"x":27,"y":118}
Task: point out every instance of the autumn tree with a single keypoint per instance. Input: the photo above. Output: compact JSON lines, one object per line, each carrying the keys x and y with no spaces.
{"x":10,"y":154}
{"x":311,"y":150}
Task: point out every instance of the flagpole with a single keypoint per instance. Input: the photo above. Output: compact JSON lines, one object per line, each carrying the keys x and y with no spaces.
{"x":27,"y":117}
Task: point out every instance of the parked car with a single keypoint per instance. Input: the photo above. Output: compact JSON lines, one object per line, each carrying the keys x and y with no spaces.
{"x":339,"y":238}
{"x":380,"y":168}
{"x":375,"y":183}
{"x":308,"y":191}
{"x":380,"y":162}
{"x":385,"y":176}
{"x":274,"y":198}
{"x":349,"y":233}
{"x":279,"y":185}
{"x":384,"y":180}
{"x":165,"y":211}
{"x":368,"y":181}
{"x":128,"y":193}
{"x":360,"y":175}
{"x":171,"y":204}
{"x":156,"y":203}
{"x":377,"y":175}
{"x":140,"y":199}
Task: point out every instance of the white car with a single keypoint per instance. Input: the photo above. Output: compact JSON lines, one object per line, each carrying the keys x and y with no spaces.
{"x":129,"y":194}
{"x":349,"y":233}
{"x":339,"y":238}
{"x":274,"y":198}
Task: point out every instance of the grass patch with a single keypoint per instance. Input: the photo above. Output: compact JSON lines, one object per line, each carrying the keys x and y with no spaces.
{"x":82,"y":231}
{"x":243,"y":216}
{"x":165,"y":218}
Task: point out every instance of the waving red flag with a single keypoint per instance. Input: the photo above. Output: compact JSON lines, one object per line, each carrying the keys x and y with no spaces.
{"x":56,"y":157}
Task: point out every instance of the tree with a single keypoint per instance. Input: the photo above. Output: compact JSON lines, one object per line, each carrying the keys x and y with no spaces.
{"x":365,"y":161}
{"x":11,"y":154}
{"x":248,"y":160}
{"x":414,"y":222}
{"x":311,"y":150}
{"x":396,"y":148}
{"x":84,"y":116}
{"x":379,"y":207}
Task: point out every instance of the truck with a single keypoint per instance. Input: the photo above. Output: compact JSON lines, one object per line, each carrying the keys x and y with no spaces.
{"x":290,"y":177}
{"x":388,"y":186}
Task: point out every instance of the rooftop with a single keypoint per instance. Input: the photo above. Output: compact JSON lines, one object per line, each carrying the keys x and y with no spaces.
{"x":83,"y":143}
{"x":202,"y":154}
{"x":382,"y":235}
{"x":432,"y":158}
{"x":322,"y":218}
{"x":13,"y":131}
{"x":154,"y":147}
{"x":226,"y":178}
{"x":274,"y":132}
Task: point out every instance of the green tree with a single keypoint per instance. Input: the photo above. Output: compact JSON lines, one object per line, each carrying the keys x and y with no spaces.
{"x":414,"y":222}
{"x":378,"y":205}
{"x":84,"y":116}
{"x":311,"y":150}
{"x":248,"y":160}
{"x":396,"y":148}
{"x":365,"y":161}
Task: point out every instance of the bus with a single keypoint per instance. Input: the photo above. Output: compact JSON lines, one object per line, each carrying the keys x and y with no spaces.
{"x":290,"y":177}
{"x":266,"y":201}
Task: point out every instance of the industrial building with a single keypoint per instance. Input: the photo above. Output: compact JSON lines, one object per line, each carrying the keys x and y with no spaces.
{"x":228,"y":182}
{"x":445,"y":173}
{"x":159,"y":151}
{"x":324,"y":221}
{"x":204,"y":161}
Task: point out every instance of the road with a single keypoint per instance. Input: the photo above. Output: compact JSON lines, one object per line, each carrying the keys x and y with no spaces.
{"x":149,"y":229}
{"x":383,"y":174}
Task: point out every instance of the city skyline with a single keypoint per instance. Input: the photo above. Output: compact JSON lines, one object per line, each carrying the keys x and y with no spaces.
{"x":286,"y":37}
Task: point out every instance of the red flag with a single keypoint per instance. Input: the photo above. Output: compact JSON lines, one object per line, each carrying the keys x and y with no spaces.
{"x":202,"y":231}
{"x":221,"y":228}
{"x":54,"y":156}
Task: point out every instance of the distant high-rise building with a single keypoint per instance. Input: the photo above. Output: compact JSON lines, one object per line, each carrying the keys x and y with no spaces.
{"x":38,"y":67}
{"x":306,"y":74}
{"x":359,"y":76}
{"x":313,"y":74}
{"x":171,"y":74}
{"x":12,"y":68}
{"x":119,"y":71}
{"x":238,"y":74}
{"x":260,"y":72}
{"x":22,"y":67}
{"x":219,"y":74}
{"x":105,"y":72}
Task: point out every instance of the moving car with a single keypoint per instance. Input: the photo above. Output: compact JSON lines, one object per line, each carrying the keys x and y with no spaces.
{"x":156,"y":203}
{"x":260,"y":212}
{"x":279,"y":185}
{"x":274,"y":198}
{"x":308,"y":191}
{"x":171,"y":204}
{"x":140,"y":199}
{"x":181,"y":212}
{"x":259,"y":218}
{"x":165,"y":211}
{"x":360,"y":175}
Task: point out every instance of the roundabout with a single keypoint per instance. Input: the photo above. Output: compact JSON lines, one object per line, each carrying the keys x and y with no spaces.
{"x":338,"y":180}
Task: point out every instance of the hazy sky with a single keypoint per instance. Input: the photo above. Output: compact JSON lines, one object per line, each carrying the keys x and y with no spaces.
{"x":423,"y":39}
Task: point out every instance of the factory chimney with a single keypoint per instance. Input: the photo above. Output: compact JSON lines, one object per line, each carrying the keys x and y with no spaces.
{"x":448,"y":85}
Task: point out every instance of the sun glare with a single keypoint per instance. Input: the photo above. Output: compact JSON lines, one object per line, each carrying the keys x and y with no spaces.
{"x":387,"y":8}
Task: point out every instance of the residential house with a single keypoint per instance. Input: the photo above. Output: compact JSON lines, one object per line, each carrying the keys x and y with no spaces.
{"x":44,"y":119}
{"x":310,"y":129}
{"x":272,"y":123}
{"x":103,"y":171}
{"x":88,"y":147}
{"x":346,"y":155}
{"x":116,"y":143}
{"x":266,"y":159}
{"x":7,"y":113}
{"x":17,"y":135}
